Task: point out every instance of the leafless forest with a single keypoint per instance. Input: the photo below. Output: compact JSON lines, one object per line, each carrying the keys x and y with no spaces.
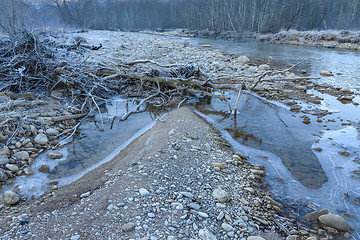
{"x":218,"y":15}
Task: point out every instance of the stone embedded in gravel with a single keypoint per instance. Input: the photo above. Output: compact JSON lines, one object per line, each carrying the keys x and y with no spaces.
{"x":4,"y":160}
{"x":143,"y":192}
{"x":292,"y":237}
{"x":203,"y":215}
{"x":54,"y":155}
{"x":194,"y":206}
{"x":220,"y":216}
{"x":12,"y":167}
{"x":218,"y":165}
{"x":44,"y":168}
{"x":335,"y":221}
{"x":187,"y":194}
{"x":85,"y":195}
{"x":221,"y":195}
{"x":52,"y":132}
{"x":255,"y":238}
{"x":22,"y":155}
{"x":75,"y":237}
{"x":311,"y":238}
{"x":204,"y":234}
{"x":227,"y":227}
{"x":313,"y":216}
{"x":41,"y":139}
{"x":128,"y":227}
{"x":9,"y":197}
{"x":249,"y":189}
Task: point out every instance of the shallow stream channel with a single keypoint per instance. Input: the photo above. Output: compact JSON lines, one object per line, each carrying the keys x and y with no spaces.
{"x":267,"y":132}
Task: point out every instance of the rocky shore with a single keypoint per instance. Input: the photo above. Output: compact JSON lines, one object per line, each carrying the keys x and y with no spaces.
{"x":179,"y":180}
{"x":347,"y":40}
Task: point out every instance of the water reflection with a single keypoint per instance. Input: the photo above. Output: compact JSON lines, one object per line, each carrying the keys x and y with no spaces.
{"x":266,"y":126}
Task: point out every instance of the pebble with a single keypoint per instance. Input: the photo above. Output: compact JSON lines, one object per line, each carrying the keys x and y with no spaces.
{"x":41,"y":139}
{"x":194,"y":206}
{"x":44,"y":168}
{"x":249,"y":189}
{"x":227,"y":227}
{"x":143,"y":192}
{"x":22,"y":155}
{"x":151,"y":215}
{"x":128,"y":227}
{"x":255,"y":238}
{"x":187,"y":194}
{"x":220,"y":216}
{"x":204,"y":234}
{"x":85,"y":195}
{"x":3,"y":176}
{"x":52,"y":132}
{"x":203,"y":215}
{"x":12,"y":167}
{"x":221,"y":195}
{"x":54,"y":155}
{"x":28,"y":171}
{"x":75,"y":237}
{"x":313,"y":216}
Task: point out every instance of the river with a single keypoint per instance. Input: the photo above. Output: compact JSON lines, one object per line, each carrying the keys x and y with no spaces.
{"x":268,"y":132}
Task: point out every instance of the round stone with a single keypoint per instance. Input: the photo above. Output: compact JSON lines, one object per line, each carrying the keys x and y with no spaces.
{"x":334,"y":221}
{"x":41,"y":139}
{"x":255,"y":238}
{"x":52,"y":132}
{"x":221,"y":195}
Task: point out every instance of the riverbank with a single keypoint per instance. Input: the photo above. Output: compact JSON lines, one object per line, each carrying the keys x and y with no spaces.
{"x":332,"y":39}
{"x":146,"y":53}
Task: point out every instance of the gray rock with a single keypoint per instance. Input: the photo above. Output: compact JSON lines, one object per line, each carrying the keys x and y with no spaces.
{"x":10,"y":198}
{"x":22,"y":155}
{"x":12,"y":167}
{"x":143,"y":192}
{"x":313,"y":216}
{"x":52,"y":132}
{"x":41,"y":139}
{"x":194,"y":206}
{"x":54,"y":155}
{"x":151,"y":215}
{"x":44,"y":168}
{"x":335,"y":221}
{"x":128,"y":227}
{"x":75,"y":237}
{"x":221,"y":195}
{"x":220,"y":216}
{"x":326,"y":73}
{"x":227,"y":227}
{"x":3,"y":176}
{"x":4,"y":160}
{"x":255,"y":238}
{"x":28,"y":171}
{"x":203,"y":215}
{"x":249,"y":189}
{"x":85,"y":195}
{"x":204,"y":234}
{"x":292,"y":237}
{"x":187,"y":194}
